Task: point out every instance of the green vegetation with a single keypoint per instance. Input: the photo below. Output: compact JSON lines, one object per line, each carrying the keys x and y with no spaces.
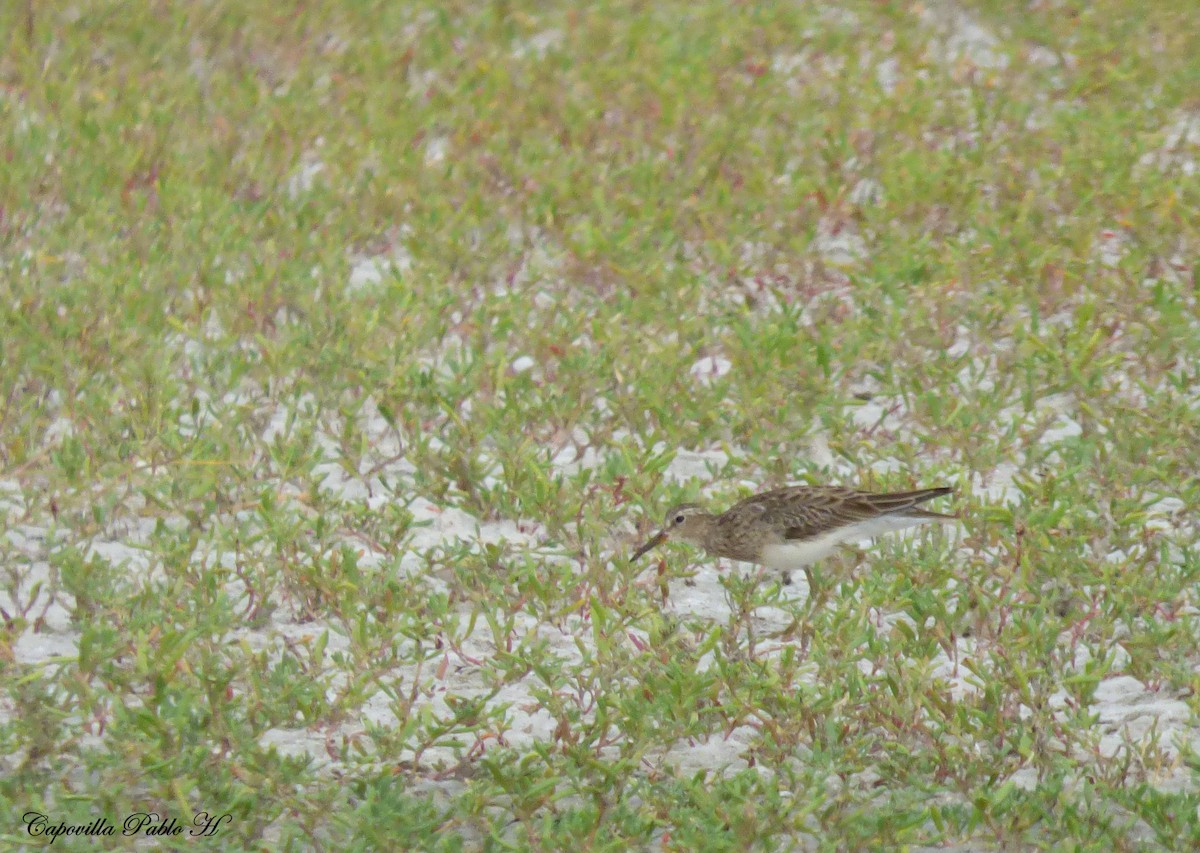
{"x":291,"y":294}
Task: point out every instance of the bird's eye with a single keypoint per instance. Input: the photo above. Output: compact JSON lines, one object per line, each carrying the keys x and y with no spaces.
{"x":679,"y":518}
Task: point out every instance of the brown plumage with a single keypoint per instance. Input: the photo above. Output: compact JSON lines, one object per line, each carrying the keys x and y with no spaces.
{"x":793,"y":527}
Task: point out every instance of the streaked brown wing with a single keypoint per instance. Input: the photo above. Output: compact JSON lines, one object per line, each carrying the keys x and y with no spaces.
{"x":803,"y":512}
{"x":825,"y":510}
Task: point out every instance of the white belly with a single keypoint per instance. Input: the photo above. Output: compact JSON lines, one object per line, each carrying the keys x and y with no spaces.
{"x":784,"y":556}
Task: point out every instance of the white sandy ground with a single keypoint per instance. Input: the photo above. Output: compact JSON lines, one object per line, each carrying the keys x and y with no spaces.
{"x":1129,"y":714}
{"x":1131,"y":717}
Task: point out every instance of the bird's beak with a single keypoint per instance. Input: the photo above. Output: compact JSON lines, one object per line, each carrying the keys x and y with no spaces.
{"x":653,"y":542}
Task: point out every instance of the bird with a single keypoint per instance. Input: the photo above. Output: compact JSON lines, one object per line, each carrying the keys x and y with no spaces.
{"x":794,"y":527}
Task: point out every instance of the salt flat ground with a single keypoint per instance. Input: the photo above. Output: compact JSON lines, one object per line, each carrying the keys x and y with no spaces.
{"x":346,"y":354}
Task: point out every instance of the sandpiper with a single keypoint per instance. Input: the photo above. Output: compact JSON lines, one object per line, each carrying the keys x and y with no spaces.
{"x":794,"y":527}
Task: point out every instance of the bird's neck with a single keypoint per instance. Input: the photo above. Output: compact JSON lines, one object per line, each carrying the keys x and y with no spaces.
{"x":705,"y":527}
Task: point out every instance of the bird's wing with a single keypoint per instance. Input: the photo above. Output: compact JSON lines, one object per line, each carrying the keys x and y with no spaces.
{"x":823,"y":510}
{"x":802,"y":512}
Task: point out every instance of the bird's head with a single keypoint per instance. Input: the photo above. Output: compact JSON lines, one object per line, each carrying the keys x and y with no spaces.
{"x":685,"y":522}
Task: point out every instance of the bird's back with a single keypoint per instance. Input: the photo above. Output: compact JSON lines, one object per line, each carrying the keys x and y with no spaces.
{"x":803,"y":512}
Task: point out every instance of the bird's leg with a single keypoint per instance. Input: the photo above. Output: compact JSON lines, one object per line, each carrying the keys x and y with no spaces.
{"x":801,"y":626}
{"x":818,"y":593}
{"x":806,"y":635}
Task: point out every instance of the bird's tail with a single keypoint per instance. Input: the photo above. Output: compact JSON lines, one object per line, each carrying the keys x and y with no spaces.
{"x":907,"y":503}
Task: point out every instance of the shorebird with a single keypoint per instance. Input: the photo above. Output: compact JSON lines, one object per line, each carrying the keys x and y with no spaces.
{"x":794,"y":527}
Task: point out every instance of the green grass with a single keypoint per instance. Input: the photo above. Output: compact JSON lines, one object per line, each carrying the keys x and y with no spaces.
{"x":613,"y":192}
